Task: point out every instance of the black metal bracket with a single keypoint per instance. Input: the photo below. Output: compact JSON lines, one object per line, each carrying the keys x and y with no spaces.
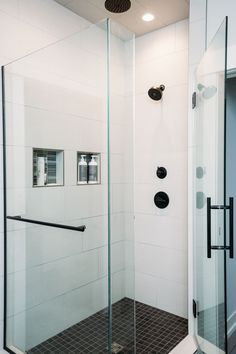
{"x":211,"y":247}
{"x":81,"y":228}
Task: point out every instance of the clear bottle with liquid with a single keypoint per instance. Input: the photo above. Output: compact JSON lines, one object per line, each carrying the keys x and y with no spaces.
{"x":82,"y":170}
{"x":93,"y":170}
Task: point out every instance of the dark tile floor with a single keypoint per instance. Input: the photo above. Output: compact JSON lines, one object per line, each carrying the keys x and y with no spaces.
{"x":157,"y":332}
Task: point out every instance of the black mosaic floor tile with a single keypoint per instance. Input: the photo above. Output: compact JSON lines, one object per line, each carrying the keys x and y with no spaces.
{"x":157,"y":332}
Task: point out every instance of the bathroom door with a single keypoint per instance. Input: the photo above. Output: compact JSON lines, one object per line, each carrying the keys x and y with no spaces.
{"x":213,"y":211}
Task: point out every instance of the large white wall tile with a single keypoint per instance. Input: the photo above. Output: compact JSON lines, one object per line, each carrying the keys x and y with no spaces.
{"x":117,"y":255}
{"x":161,"y":262}
{"x":96,"y":234}
{"x":118,"y":287}
{"x":30,"y":285}
{"x":171,"y":297}
{"x":197,"y":35}
{"x":39,"y":13}
{"x":11,"y":7}
{"x":197,"y":10}
{"x":182,"y":38}
{"x":85,"y":201}
{"x":12,"y":32}
{"x":145,"y":289}
{"x":168,"y":232}
{"x":170,"y":70}
{"x":161,"y":140}
{"x":144,"y":201}
{"x":153,"y":45}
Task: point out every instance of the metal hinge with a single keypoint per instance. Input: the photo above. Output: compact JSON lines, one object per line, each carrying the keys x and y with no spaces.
{"x":195,"y":310}
{"x":194,"y":100}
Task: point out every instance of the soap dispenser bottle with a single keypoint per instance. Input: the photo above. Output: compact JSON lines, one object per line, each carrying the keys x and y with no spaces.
{"x":93,"y":170}
{"x":82,"y":170}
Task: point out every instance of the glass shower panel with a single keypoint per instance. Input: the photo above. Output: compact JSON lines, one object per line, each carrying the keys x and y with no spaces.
{"x":56,"y":276}
{"x":211,"y":206}
{"x":121,"y":114}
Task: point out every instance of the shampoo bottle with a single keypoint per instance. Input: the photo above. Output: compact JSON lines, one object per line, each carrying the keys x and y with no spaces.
{"x":93,"y":170}
{"x":82,"y":170}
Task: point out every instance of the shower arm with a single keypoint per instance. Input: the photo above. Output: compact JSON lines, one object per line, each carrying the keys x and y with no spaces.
{"x":81,"y":228}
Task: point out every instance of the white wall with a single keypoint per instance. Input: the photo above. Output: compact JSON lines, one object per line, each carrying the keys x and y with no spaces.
{"x":161,"y":140}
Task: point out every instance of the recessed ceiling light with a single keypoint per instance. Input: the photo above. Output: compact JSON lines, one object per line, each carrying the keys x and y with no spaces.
{"x":148,"y":17}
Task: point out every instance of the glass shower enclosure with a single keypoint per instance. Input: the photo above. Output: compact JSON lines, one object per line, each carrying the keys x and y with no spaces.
{"x":214,"y":209}
{"x":68,"y":207}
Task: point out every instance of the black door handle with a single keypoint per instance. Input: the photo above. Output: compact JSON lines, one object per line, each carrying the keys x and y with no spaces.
{"x":231,"y":227}
{"x":211,"y":247}
{"x":208,"y":227}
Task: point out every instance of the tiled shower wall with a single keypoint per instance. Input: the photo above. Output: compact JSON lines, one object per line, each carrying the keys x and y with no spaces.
{"x":27,"y":26}
{"x":161,"y":140}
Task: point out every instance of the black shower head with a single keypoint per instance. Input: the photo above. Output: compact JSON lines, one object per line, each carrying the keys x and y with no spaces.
{"x":117,"y":6}
{"x":155,"y":93}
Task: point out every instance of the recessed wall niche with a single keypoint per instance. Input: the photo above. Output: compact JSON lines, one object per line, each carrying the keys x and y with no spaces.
{"x":88,"y":168}
{"x":48,"y":167}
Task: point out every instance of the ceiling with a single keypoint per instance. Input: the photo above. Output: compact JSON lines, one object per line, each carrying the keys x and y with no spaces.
{"x":165,"y":12}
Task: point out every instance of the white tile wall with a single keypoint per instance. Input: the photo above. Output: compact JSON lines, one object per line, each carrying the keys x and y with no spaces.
{"x":161,"y":140}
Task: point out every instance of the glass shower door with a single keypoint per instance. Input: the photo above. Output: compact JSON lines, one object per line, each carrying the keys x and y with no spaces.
{"x":212,"y":210}
{"x":55,"y":109}
{"x":68,"y":152}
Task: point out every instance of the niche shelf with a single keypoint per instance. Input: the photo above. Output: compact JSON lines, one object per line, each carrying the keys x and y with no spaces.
{"x":88,"y":168}
{"x":48,"y":167}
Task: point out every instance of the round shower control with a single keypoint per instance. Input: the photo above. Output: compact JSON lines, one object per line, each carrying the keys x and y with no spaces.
{"x":161,"y":172}
{"x":161,"y":200}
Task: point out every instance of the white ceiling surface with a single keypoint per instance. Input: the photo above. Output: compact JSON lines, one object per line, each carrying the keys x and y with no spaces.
{"x":165,"y":12}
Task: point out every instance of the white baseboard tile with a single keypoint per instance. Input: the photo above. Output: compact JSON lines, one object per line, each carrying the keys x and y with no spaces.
{"x":187,"y":346}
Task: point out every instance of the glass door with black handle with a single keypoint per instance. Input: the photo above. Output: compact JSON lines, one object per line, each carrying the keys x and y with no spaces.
{"x":214,"y":208}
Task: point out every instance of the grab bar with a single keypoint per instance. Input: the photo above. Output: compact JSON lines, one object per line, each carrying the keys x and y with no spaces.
{"x":81,"y":228}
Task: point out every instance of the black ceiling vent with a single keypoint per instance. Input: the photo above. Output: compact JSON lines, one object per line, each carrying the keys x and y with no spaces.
{"x":117,"y":6}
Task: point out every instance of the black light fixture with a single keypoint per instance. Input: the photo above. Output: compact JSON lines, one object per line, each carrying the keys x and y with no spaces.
{"x":117,"y":6}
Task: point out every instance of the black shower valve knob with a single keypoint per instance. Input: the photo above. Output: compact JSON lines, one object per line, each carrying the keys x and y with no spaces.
{"x":161,"y":200}
{"x":161,"y":172}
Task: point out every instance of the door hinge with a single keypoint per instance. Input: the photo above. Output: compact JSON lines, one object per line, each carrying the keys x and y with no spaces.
{"x":194,"y":100}
{"x":195,"y":311}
